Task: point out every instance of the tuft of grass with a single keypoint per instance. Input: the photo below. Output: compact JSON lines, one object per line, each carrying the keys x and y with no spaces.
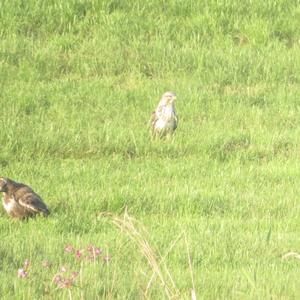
{"x":127,"y":224}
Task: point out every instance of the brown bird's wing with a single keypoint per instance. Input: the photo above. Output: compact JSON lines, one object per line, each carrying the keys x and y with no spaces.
{"x":176,"y":121}
{"x":155,"y":115}
{"x":152,"y":120}
{"x":34,"y":203}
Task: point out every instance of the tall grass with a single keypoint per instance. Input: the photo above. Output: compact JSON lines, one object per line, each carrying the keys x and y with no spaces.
{"x":78,"y":81}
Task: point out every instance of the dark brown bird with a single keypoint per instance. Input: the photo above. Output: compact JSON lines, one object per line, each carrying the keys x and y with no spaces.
{"x":20,"y":201}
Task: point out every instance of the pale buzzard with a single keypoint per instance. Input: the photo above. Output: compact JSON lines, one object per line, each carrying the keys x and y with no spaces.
{"x":164,"y":120}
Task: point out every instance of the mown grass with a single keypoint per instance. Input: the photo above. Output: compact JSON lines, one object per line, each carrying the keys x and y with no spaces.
{"x":79,"y":80}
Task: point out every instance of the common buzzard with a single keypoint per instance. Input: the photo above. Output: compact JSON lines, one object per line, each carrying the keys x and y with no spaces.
{"x":164,"y":120}
{"x":20,"y":201}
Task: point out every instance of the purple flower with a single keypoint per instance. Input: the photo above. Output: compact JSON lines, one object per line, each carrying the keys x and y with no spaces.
{"x":63,"y":269}
{"x":94,"y":249}
{"x":46,"y":264}
{"x":57,"y":279}
{"x":74,"y":275}
{"x":107,"y":258}
{"x":69,"y":249}
{"x":65,"y":283}
{"x":79,"y":254}
{"x":94,"y":252}
{"x":97,"y":251}
{"x":22,"y":273}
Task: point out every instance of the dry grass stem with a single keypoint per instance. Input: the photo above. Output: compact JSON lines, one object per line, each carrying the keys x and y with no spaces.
{"x":127,"y":224}
{"x":193,"y":292}
{"x":291,"y":254}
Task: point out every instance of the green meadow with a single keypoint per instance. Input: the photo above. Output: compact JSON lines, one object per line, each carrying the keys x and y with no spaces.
{"x":213,"y":209}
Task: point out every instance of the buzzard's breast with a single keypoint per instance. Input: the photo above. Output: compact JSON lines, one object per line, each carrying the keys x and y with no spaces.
{"x":13,"y":208}
{"x":165,"y":120}
{"x":160,"y":124}
{"x":9,"y":206}
{"x":166,"y":123}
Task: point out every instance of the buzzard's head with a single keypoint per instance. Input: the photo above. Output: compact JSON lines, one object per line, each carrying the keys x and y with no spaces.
{"x":169,"y":98}
{"x":3,"y":184}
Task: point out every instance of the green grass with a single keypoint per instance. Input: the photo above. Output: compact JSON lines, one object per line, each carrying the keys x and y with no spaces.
{"x":78,"y":81}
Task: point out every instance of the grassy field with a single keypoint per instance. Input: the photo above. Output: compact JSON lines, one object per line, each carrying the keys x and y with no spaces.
{"x":79,"y":80}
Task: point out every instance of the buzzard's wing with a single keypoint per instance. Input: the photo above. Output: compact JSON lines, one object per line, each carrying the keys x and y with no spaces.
{"x":34,"y":203}
{"x":176,"y":121}
{"x":152,"y":120}
{"x":155,"y":116}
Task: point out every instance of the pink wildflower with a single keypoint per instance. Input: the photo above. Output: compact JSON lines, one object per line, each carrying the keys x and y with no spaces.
{"x":22,"y":273}
{"x":74,"y":275}
{"x":94,"y":252}
{"x":63,"y":269}
{"x":79,"y":254}
{"x":46,"y":264}
{"x":97,"y":251}
{"x":69,"y":249}
{"x":65,"y":283}
{"x":57,"y":279}
{"x":107,"y":258}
